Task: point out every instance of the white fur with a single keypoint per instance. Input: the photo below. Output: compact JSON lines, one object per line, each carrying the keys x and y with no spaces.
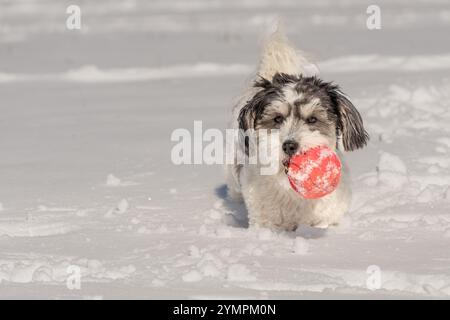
{"x":269,"y":199}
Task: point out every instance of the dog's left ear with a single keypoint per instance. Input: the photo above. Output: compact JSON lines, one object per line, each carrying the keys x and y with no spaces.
{"x":350,"y":123}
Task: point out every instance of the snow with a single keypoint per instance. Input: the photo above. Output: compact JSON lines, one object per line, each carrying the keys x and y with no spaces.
{"x":392,"y":170}
{"x":301,"y":246}
{"x":121,"y":208}
{"x":239,"y":272}
{"x":112,"y":181}
{"x":192,"y":276}
{"x":93,"y":74}
{"x":85,"y":170}
{"x":413,"y":63}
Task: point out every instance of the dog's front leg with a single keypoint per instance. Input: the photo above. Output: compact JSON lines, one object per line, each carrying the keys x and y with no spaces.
{"x":265,"y":204}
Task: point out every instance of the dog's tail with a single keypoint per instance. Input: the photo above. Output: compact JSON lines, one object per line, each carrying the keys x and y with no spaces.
{"x":278,"y":55}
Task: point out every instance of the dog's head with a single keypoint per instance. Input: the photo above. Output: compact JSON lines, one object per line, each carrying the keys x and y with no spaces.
{"x":307,"y":111}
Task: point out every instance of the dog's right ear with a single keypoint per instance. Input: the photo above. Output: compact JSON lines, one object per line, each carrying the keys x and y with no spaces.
{"x":246,"y":120}
{"x":254,"y":107}
{"x":247,"y":115}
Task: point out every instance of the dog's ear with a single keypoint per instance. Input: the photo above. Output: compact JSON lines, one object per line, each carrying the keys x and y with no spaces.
{"x":247,"y":115}
{"x":254,"y":107}
{"x":246,"y":120}
{"x":350,"y":123}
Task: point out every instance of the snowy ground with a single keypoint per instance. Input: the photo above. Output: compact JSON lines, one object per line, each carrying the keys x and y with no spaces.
{"x":86,"y":178}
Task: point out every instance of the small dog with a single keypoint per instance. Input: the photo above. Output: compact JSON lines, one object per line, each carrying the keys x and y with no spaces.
{"x":307,"y":112}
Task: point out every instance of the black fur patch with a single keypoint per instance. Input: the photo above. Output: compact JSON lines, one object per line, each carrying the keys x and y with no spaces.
{"x":351,"y":126}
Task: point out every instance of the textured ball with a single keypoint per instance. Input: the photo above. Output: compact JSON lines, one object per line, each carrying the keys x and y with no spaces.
{"x":314,"y":173}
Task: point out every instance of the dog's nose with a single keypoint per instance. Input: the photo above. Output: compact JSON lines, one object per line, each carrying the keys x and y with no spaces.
{"x":290,"y":147}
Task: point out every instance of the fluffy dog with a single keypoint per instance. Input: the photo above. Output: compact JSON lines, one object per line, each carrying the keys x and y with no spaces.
{"x":307,"y":112}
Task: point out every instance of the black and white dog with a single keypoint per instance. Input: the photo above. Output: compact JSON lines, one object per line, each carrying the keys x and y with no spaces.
{"x":307,"y":112}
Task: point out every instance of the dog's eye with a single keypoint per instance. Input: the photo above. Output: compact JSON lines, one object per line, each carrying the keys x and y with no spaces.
{"x":311,"y":120}
{"x":278,"y":119}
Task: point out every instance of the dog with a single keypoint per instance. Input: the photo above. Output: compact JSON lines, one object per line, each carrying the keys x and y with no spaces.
{"x":287,"y":95}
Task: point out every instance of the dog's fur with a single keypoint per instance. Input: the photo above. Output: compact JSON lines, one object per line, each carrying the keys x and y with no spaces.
{"x":308,"y":112}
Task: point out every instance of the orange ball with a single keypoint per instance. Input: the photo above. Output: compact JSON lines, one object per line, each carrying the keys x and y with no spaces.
{"x":314,"y":173}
